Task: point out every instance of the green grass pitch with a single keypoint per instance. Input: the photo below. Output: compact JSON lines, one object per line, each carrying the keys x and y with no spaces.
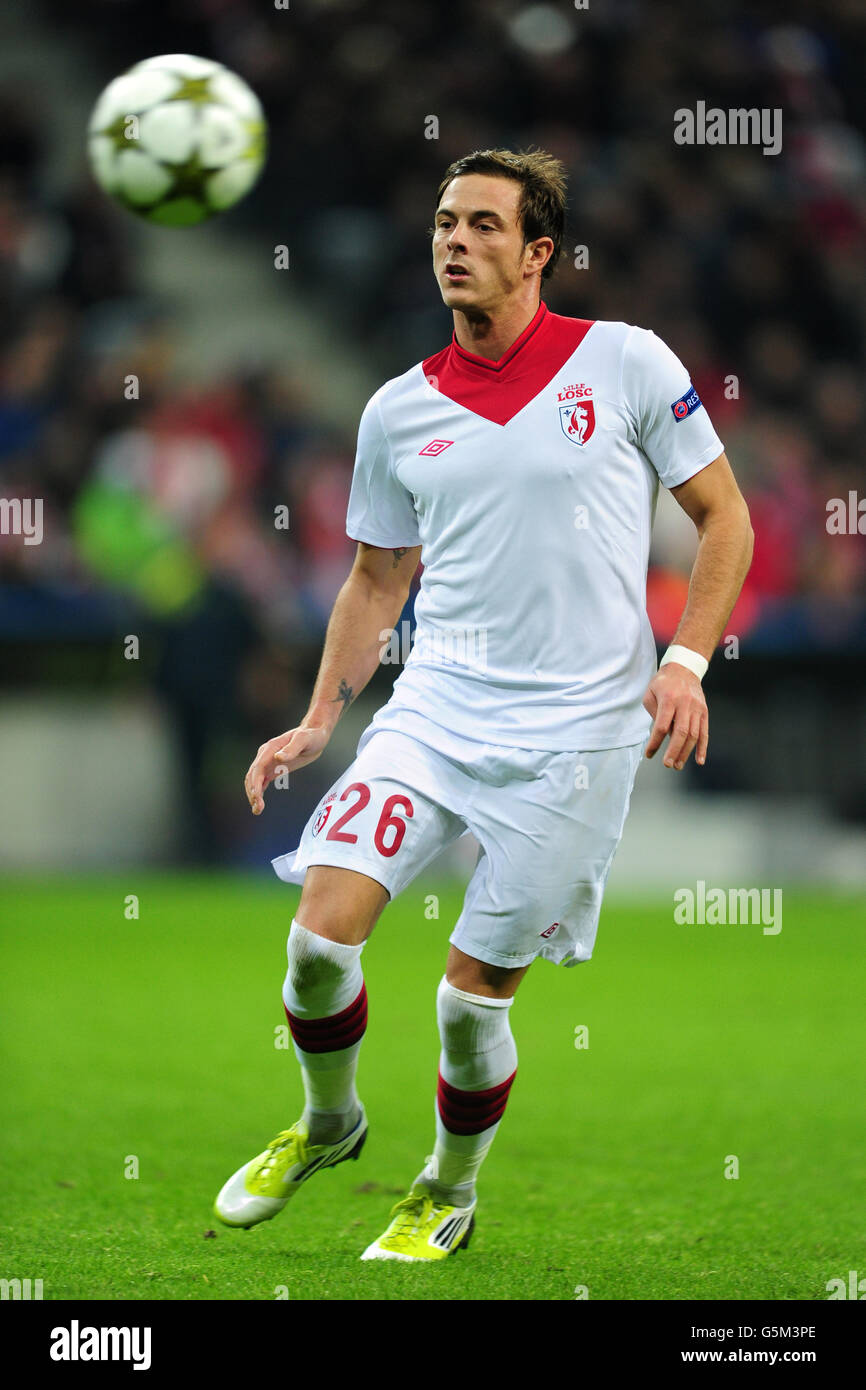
{"x":155,"y":1039}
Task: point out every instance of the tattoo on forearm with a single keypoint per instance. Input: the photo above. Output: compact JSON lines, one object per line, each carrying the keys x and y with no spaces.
{"x":398,"y":555}
{"x":345,"y":694}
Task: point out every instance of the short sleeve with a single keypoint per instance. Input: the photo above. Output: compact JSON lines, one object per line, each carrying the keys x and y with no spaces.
{"x":672,"y":425}
{"x":381,"y":510}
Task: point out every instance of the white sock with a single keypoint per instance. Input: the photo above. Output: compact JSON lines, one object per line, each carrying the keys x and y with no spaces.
{"x":476,"y":1069}
{"x":326,"y":1004}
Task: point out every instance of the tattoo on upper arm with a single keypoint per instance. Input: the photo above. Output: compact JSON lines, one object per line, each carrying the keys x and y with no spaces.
{"x":345,"y":694}
{"x":399,"y":552}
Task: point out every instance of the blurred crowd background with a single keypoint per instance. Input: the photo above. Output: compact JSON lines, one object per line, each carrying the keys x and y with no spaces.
{"x":159,"y":511}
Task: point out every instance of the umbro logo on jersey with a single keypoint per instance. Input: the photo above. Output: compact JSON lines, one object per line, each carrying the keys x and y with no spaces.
{"x":435,"y":447}
{"x":549,"y":930}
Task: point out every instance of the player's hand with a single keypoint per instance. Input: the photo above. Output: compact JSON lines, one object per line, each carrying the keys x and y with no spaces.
{"x":285,"y":753}
{"x":676,"y":702}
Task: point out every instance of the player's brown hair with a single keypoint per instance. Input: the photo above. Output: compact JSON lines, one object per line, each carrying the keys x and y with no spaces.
{"x":543,"y":182}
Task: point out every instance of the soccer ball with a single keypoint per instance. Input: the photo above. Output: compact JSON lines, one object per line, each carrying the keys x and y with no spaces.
{"x":176,"y":139}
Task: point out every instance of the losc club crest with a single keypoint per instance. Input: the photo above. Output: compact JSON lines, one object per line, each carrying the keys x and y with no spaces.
{"x":322,"y":818}
{"x":577,"y":420}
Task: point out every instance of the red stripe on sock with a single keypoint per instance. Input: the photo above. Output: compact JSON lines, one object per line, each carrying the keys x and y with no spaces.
{"x":470,"y":1112}
{"x":331,"y":1034}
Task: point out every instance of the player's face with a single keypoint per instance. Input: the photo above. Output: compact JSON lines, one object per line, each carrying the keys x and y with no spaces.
{"x":477,"y":230}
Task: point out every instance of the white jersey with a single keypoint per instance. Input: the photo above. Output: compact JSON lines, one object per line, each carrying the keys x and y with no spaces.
{"x":530,"y":484}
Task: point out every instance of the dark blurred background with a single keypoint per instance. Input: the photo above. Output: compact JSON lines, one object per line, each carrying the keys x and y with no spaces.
{"x":159,"y":510}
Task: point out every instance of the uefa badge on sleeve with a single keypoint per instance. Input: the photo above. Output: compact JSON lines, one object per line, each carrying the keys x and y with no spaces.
{"x":688,"y":401}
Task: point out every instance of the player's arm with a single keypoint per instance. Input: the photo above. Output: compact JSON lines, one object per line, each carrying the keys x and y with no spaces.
{"x":674,"y":696}
{"x":369,"y":603}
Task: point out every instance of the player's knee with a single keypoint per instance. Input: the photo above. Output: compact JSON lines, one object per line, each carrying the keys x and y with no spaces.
{"x":340,"y":905}
{"x":330,"y":922}
{"x":479,"y":977}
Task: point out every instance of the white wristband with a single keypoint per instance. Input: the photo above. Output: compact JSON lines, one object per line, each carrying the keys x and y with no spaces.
{"x":684,"y":656}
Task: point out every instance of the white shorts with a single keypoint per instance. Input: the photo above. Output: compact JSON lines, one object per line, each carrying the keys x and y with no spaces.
{"x":547,"y":824}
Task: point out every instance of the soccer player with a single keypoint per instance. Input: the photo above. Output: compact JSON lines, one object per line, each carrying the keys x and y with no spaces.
{"x":521,"y":464}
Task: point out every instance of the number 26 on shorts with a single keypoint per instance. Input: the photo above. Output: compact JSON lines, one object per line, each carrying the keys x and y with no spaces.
{"x":388,"y":820}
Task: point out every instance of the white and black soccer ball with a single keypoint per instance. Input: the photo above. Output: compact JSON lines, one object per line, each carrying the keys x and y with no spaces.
{"x":177,"y":139}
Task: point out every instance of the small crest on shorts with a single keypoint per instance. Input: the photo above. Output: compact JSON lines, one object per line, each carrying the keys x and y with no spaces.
{"x":549,"y":930}
{"x":322,"y":818}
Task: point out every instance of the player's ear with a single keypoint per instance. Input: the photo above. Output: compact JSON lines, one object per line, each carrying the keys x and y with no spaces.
{"x":537,"y":254}
{"x":546,"y":246}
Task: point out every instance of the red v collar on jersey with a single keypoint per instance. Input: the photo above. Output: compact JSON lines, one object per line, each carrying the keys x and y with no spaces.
{"x":499,"y":390}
